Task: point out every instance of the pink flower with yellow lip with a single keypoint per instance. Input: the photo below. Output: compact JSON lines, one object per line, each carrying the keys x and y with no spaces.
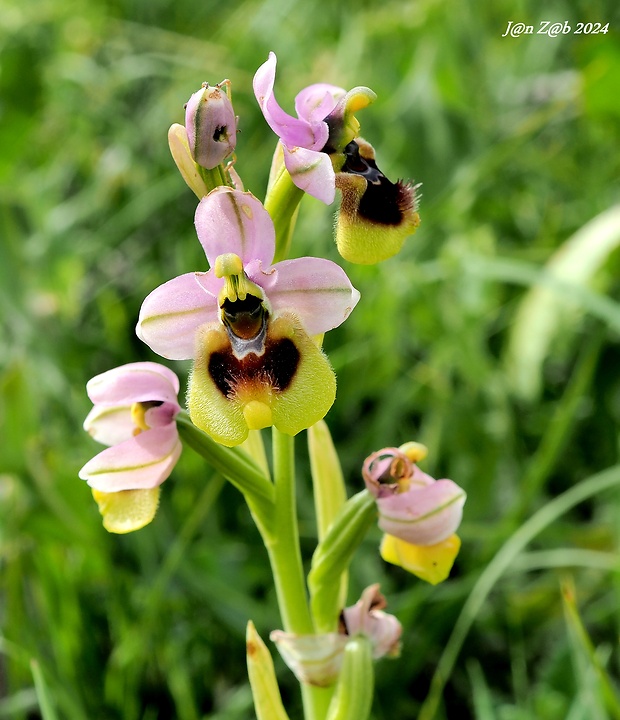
{"x":420,"y":515}
{"x":134,"y":413}
{"x":248,"y":324}
{"x":323,"y":150}
{"x":323,"y":127}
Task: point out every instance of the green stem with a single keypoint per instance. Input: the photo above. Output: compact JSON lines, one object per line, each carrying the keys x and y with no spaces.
{"x":236,"y":466}
{"x":316,"y":701}
{"x":282,"y":203}
{"x":286,"y":564}
{"x":214,"y":177}
{"x":283,"y":540}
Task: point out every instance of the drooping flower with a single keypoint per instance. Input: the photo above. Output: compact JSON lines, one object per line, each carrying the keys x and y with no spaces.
{"x":248,"y":324}
{"x":323,"y":151}
{"x":317,"y":659}
{"x":134,"y":412}
{"x":211,"y":125}
{"x":419,"y":514}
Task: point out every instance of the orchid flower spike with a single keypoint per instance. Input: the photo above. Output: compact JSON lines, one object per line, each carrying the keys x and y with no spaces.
{"x":419,"y":514}
{"x":317,"y":659}
{"x":248,"y":324}
{"x":134,"y":413}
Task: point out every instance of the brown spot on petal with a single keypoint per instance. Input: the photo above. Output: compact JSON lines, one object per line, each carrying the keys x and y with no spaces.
{"x":383,"y":201}
{"x":252,"y":648}
{"x":275,"y":368}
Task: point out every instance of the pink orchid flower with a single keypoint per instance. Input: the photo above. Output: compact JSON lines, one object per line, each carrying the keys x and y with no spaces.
{"x":324,"y":125}
{"x":247,"y":324}
{"x":412,"y":505}
{"x":134,"y":412}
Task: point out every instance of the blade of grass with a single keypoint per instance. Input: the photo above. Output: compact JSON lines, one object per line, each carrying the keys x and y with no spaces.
{"x":498,"y":566}
{"x":45,"y":702}
{"x":586,"y":648}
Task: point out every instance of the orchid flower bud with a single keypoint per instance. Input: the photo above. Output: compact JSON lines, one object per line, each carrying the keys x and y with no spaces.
{"x":418,"y":513}
{"x":366,"y":617}
{"x":211,"y":125}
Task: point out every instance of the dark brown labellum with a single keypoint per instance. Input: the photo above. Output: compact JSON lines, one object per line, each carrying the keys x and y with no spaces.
{"x":275,"y":368}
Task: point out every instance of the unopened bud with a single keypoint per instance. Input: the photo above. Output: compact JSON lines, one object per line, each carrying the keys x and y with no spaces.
{"x":211,"y":125}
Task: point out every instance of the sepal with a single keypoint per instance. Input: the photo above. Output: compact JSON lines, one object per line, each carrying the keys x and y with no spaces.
{"x":182,"y":156}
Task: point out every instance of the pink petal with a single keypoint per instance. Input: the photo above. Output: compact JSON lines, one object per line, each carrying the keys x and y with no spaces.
{"x":368,"y":618}
{"x":293,"y":131}
{"x":231,"y":221}
{"x":135,"y":382}
{"x":171,"y":314}
{"x":142,"y":462}
{"x":419,"y":477}
{"x":315,"y":102}
{"x":110,"y":425}
{"x":161,"y":415}
{"x":317,"y":290}
{"x":312,"y":172}
{"x":423,"y":516}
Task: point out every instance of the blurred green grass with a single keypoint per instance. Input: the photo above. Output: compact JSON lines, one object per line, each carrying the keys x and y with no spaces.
{"x":516,"y":143}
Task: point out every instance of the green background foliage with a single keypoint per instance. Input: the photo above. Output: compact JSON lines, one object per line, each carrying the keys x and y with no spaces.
{"x":516,"y":143}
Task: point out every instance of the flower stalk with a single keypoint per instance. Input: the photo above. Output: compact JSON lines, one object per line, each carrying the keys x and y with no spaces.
{"x":282,"y":203}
